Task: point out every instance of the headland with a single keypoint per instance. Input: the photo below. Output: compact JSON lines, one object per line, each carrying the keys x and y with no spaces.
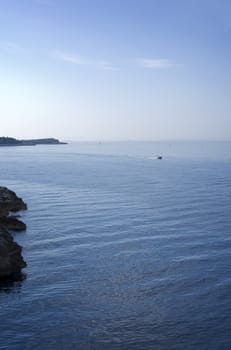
{"x":11,"y":141}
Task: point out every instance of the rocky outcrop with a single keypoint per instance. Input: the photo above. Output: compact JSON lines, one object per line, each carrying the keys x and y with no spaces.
{"x":12,"y":223}
{"x":10,"y":202}
{"x":11,"y":260}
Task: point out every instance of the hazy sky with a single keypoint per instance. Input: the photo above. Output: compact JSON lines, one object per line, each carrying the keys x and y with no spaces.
{"x":115,"y":69}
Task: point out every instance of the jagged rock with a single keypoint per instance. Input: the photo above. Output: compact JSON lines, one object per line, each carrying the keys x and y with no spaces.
{"x":11,"y":260}
{"x":12,"y":223}
{"x":9,"y":201}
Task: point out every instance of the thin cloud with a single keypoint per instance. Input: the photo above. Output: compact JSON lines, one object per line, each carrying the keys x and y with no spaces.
{"x":80,"y":60}
{"x":13,"y":49}
{"x":69,"y":58}
{"x":156,"y":63}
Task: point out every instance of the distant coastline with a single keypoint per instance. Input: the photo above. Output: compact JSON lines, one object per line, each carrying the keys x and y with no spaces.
{"x":11,"y":141}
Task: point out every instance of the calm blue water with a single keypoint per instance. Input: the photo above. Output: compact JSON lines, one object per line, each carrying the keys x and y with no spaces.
{"x":124,"y":251}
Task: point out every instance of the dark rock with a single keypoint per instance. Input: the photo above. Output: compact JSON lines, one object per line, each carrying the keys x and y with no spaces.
{"x":12,"y":283}
{"x":11,"y":260}
{"x":9,"y":201}
{"x":12,"y":223}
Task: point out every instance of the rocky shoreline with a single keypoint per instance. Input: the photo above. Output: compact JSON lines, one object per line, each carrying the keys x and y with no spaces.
{"x":11,"y":260}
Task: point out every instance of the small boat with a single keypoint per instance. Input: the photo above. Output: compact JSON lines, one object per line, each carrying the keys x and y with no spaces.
{"x":159,"y":157}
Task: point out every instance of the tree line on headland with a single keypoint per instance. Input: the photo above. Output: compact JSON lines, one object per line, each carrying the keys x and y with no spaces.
{"x":11,"y":141}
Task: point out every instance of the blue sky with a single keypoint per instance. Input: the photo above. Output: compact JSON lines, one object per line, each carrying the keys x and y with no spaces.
{"x":115,"y":69}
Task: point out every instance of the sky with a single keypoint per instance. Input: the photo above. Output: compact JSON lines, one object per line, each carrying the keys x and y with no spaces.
{"x":94,"y":70}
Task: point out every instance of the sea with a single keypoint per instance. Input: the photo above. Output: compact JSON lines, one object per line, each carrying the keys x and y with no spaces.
{"x":123,"y":250}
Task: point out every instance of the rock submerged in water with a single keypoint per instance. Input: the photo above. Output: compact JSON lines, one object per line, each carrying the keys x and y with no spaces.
{"x":11,"y":260}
